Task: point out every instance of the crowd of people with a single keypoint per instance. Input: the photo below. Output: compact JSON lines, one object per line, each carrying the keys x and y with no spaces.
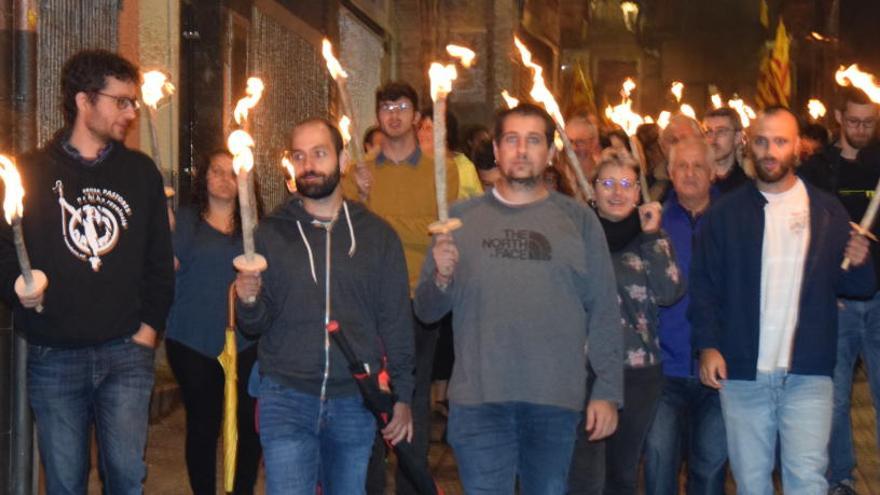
{"x":690,"y":310}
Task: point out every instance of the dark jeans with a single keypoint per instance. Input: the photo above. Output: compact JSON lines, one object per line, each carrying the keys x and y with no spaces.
{"x":201,"y":382}
{"x":426,"y":343}
{"x":611,"y":466}
{"x":689,"y":411}
{"x":69,"y":390}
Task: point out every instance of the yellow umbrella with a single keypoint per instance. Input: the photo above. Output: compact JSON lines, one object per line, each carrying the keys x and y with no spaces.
{"x":229,"y":360}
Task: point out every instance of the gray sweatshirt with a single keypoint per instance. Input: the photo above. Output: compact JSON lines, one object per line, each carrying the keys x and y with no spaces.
{"x":534,"y":300}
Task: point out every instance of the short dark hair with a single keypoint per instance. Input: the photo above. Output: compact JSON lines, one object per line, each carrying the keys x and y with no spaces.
{"x":525,"y":110}
{"x":335,"y":135}
{"x":87,"y":72}
{"x":850,"y":94}
{"x":451,"y":126}
{"x":395,"y":90}
{"x":816,"y":132}
{"x":728,"y":112}
{"x":368,"y":135}
{"x":777,"y":109}
{"x":200,"y":196}
{"x":484,"y":156}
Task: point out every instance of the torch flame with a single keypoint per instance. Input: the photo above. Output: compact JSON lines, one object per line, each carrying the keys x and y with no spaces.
{"x":12,"y":203}
{"x":649,"y":119}
{"x":816,"y":108}
{"x":241,"y":145}
{"x":663,"y":119}
{"x":463,"y":54}
{"x":746,"y":114}
{"x":716,"y":100}
{"x":345,"y":129}
{"x":441,"y":79}
{"x":510,"y":100}
{"x":622,"y":114}
{"x":539,"y":92}
{"x":865,"y":81}
{"x":628,"y":86}
{"x":254,"y":92}
{"x":676,"y":89}
{"x":156,"y":86}
{"x":688,"y":110}
{"x":333,"y":65}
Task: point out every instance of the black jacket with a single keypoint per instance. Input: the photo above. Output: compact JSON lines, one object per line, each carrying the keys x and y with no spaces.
{"x":369,"y":298}
{"x":100,"y":233}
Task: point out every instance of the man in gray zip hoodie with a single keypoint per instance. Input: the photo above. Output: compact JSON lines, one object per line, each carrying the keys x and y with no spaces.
{"x":313,"y":424}
{"x":529,"y":280}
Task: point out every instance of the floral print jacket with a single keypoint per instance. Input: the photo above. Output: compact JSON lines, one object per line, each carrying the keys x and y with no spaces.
{"x":647,"y":277}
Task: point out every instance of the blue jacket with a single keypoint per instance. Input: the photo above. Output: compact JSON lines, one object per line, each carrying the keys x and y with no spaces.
{"x":725,"y":282}
{"x":674,"y":330}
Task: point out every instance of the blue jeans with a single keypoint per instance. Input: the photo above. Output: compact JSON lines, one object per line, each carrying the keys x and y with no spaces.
{"x":688,"y":411}
{"x":69,"y":389}
{"x":306,"y":440}
{"x":797,"y":408}
{"x":495,"y":442}
{"x":858,"y":333}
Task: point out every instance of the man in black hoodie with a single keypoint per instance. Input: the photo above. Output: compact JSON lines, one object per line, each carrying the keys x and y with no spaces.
{"x":95,"y":221}
{"x":313,"y":423}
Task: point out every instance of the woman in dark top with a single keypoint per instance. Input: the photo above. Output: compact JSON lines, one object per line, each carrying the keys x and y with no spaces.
{"x":647,"y":277}
{"x":206,"y":239}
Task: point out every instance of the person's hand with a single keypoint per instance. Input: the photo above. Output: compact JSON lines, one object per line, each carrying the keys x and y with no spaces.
{"x":364,"y":181}
{"x":601,"y":419}
{"x":445,"y":258}
{"x":401,"y":426}
{"x":32,"y":301}
{"x":247,"y":286}
{"x":712,"y":368}
{"x":857,"y":248}
{"x":650,"y":215}
{"x":145,"y":336}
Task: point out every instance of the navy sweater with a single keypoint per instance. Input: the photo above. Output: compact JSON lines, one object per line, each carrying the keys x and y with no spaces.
{"x":725,"y":283}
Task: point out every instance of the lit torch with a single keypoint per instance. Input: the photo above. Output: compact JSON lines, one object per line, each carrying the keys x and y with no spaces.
{"x":541,"y":94}
{"x":816,"y":108}
{"x":241,"y":145}
{"x":629,"y":121}
{"x":867,"y":83}
{"x":156,"y":87}
{"x":688,"y":110}
{"x":441,"y":85}
{"x":509,"y":100}
{"x":676,"y":89}
{"x":291,"y":172}
{"x":464,"y":55}
{"x":31,"y":282}
{"x":746,"y":113}
{"x":716,"y":100}
{"x":341,"y":77}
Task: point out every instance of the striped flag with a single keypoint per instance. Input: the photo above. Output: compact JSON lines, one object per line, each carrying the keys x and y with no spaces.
{"x":774,"y":79}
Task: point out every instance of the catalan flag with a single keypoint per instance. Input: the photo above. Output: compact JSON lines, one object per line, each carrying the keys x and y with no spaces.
{"x":774,"y":79}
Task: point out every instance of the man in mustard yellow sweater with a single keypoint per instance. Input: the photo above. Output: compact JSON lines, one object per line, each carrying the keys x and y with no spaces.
{"x":401,"y":191}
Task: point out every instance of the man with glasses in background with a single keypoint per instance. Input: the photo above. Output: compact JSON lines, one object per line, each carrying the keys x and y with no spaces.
{"x":92,"y":332}
{"x":401,"y":192}
{"x":724,"y":133}
{"x":850,"y":168}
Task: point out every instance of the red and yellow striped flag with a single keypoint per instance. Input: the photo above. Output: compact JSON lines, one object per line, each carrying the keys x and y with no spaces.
{"x":774,"y":80}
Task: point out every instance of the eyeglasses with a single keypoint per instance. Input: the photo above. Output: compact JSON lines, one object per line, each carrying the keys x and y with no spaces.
{"x":395,"y":107}
{"x":721,"y":131}
{"x":625,"y":184}
{"x":123,"y":102}
{"x":854,"y":122}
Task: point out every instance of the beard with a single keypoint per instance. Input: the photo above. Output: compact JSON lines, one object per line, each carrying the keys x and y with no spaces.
{"x":318,"y":190}
{"x":788,"y":163}
{"x":857,"y":142}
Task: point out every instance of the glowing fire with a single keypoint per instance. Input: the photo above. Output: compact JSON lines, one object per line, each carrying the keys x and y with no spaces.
{"x":816,"y":108}
{"x":254,"y":92}
{"x":156,"y":86}
{"x":663,"y":119}
{"x":622,"y":114}
{"x":688,"y":110}
{"x":716,"y":101}
{"x":345,"y":129}
{"x":463,"y":54}
{"x":746,"y":114}
{"x":12,"y":203}
{"x":676,"y":89}
{"x":241,"y":145}
{"x":510,"y":100}
{"x":333,"y":65}
{"x":649,"y":119}
{"x":539,"y":92}
{"x":441,"y":79}
{"x":865,"y":81}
